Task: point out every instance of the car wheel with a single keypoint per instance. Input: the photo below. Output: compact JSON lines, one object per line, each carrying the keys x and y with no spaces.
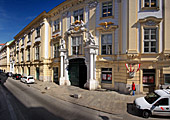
{"x":146,"y":114}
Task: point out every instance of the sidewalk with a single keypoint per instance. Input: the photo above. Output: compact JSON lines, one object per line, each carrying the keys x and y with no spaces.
{"x":106,"y":101}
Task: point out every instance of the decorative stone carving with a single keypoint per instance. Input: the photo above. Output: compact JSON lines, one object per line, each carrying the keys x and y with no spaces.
{"x":150,"y":23}
{"x":77,"y":27}
{"x":92,"y":3}
{"x":62,"y":45}
{"x":90,"y":39}
{"x":106,"y":25}
{"x":65,"y":14}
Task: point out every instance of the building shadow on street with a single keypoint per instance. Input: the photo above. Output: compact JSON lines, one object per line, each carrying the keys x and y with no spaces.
{"x":28,"y":113}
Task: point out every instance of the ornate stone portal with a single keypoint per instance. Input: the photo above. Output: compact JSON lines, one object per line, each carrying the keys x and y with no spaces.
{"x":92,"y":83}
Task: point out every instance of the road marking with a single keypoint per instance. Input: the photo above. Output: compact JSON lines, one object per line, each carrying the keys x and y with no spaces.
{"x":10,"y":108}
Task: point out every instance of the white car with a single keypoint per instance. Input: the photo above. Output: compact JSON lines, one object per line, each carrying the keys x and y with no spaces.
{"x":156,"y":103}
{"x":28,"y":79}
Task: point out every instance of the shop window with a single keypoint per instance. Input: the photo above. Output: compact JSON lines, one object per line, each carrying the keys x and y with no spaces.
{"x":106,"y":44}
{"x":28,"y":71}
{"x":77,"y":45}
{"x":150,"y":40}
{"x":107,"y":75}
{"x":167,"y":78}
{"x":78,"y":15}
{"x":149,"y":76}
{"x":106,"y":9}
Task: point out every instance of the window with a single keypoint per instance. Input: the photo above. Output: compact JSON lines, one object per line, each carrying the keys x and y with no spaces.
{"x":56,"y":50}
{"x":29,"y":37}
{"x":23,"y":40}
{"x":167,"y":78}
{"x":28,"y":71}
{"x":150,"y":3}
{"x":22,"y":57}
{"x":37,"y":53}
{"x":107,"y":75}
{"x":106,"y":44}
{"x":37,"y":32}
{"x":163,"y":102}
{"x":149,"y":76}
{"x":56,"y":25}
{"x":22,"y":70}
{"x":78,"y":15}
{"x":150,"y":40}
{"x":17,"y":56}
{"x":76,"y":45}
{"x":28,"y":55}
{"x":107,"y":9}
{"x":55,"y":75}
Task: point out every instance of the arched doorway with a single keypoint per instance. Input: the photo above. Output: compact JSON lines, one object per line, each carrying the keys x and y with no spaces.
{"x":77,"y":72}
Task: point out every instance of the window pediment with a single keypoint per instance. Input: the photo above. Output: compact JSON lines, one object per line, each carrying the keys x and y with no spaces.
{"x":150,"y":21}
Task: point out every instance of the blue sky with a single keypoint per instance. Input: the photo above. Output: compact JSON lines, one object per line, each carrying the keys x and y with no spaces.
{"x":16,"y":14}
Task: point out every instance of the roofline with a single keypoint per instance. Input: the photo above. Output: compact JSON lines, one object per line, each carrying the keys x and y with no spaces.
{"x":43,"y":14}
{"x":58,"y":6}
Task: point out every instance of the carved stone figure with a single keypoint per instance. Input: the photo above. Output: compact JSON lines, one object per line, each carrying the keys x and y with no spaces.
{"x":62,"y":46}
{"x":91,"y":39}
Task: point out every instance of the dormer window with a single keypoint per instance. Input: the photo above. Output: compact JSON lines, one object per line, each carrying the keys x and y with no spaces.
{"x":150,"y":3}
{"x":78,"y":15}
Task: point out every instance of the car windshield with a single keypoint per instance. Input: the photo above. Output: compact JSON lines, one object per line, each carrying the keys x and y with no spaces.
{"x":31,"y":78}
{"x":151,"y":97}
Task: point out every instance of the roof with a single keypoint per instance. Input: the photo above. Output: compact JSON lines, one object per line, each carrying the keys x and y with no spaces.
{"x":164,"y":92}
{"x":8,"y":43}
{"x":2,"y":44}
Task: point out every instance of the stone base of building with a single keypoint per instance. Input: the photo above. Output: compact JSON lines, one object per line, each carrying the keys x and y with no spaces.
{"x":63,"y":81}
{"x":125,"y":88}
{"x":92,"y":84}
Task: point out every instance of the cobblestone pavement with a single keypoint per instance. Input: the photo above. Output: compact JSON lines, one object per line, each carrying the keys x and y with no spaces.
{"x":106,"y":101}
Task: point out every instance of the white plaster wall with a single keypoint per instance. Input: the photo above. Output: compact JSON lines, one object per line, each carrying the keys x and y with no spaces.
{"x":68,"y":20}
{"x":46,"y":38}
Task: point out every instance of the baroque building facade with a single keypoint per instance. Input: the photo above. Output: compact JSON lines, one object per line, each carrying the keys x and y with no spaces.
{"x":99,"y":44}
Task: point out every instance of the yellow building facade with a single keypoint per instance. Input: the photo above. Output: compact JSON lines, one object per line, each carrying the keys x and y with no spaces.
{"x":99,"y":44}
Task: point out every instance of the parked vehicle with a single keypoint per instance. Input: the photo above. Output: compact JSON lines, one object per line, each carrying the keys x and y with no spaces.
{"x":9,"y":74}
{"x":17,"y":76}
{"x":27,"y":79}
{"x":156,"y":103}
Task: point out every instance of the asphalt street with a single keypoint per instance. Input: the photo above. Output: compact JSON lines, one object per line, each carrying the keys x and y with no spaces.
{"x":21,"y":102}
